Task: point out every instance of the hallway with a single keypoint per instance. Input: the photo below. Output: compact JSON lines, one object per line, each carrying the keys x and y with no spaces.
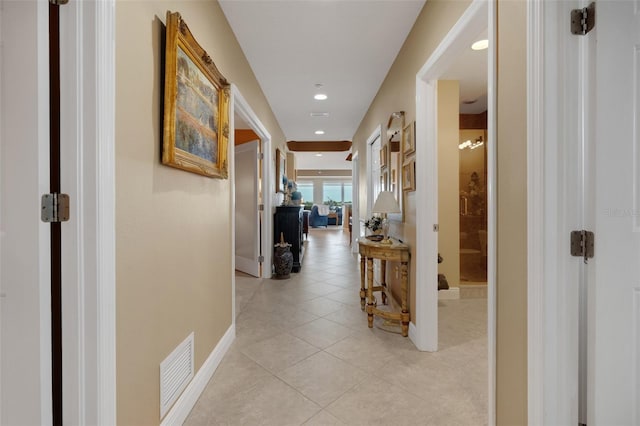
{"x":304,"y":355}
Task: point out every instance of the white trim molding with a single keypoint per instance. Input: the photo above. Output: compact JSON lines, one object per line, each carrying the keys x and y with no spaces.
{"x":535,"y":212}
{"x":183,"y":406}
{"x":240,"y":106}
{"x":87,"y":32}
{"x":377,"y":133}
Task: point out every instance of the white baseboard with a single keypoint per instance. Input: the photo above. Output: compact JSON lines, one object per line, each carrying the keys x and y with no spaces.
{"x":450,"y":294}
{"x":179,"y":412}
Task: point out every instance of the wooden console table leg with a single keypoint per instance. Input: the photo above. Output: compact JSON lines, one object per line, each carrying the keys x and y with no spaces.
{"x":371,"y":300}
{"x":404,"y":290}
{"x":363,"y":293}
{"x":383,"y":280}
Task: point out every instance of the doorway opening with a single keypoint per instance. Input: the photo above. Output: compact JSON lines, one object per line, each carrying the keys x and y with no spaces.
{"x":477,"y":20}
{"x":245,"y":124}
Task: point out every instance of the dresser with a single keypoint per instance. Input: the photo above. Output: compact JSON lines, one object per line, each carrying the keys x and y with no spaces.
{"x":288,"y":221}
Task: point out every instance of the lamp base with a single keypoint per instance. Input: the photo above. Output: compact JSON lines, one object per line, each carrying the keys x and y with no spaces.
{"x":386,"y":241}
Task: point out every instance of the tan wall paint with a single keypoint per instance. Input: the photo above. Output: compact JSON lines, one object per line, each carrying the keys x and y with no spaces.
{"x":448,"y":177}
{"x":173,"y":228}
{"x":398,"y":93}
{"x":511,"y":354}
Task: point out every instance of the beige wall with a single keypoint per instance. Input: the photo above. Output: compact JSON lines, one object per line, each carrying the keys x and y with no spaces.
{"x":511,"y":380}
{"x":398,"y":93}
{"x":448,"y":177}
{"x":173,"y":229}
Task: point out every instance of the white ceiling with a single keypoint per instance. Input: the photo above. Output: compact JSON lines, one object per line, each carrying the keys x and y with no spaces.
{"x":347,"y":46}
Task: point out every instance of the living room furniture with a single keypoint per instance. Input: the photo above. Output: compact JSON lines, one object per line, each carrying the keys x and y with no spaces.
{"x":335,"y":217}
{"x":316,"y":219}
{"x":398,"y":252}
{"x":288,"y":220}
{"x":305,"y":223}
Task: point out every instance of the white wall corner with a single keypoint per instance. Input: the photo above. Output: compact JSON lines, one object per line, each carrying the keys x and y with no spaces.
{"x":179,"y":412}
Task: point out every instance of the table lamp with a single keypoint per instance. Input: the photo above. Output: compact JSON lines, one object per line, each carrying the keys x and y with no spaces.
{"x":386,"y":203}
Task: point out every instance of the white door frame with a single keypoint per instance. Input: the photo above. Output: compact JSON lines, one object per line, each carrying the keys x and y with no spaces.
{"x":240,"y":106}
{"x":424,"y":333}
{"x":87,"y":34}
{"x":377,"y":133}
{"x":555,"y":87}
{"x":355,"y":206}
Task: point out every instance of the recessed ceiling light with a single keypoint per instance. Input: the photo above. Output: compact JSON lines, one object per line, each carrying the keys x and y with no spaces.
{"x":320,"y":97}
{"x":319,"y":114}
{"x":319,"y":132}
{"x":480,"y":44}
{"x":319,"y":154}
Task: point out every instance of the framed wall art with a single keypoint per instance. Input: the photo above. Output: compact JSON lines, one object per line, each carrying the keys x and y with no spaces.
{"x":384,"y":154}
{"x":196,"y":105}
{"x":409,"y":139}
{"x":409,"y":176}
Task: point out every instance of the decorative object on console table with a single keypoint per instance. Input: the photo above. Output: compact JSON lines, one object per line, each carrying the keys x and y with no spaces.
{"x":386,"y":203}
{"x":397,"y":252}
{"x":283,"y":259}
{"x":288,"y":221}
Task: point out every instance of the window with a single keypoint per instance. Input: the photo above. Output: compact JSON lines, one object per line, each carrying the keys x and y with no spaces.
{"x":332,"y":191}
{"x":306,"y":189}
{"x":346,"y":195}
{"x":338,"y":191}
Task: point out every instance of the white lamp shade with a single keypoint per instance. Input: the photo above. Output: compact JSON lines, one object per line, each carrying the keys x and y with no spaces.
{"x":386,"y":203}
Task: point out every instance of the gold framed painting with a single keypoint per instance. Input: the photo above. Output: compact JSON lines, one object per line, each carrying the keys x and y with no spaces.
{"x":196,"y":105}
{"x":409,"y":176}
{"x":409,"y":139}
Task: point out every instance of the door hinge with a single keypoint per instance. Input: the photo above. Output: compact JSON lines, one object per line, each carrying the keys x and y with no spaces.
{"x":261,"y":207}
{"x":261,"y":156}
{"x":55,"y":208}
{"x":260,"y":259}
{"x":583,"y":20}
{"x":436,"y":227}
{"x":59,"y":2}
{"x":582,"y":244}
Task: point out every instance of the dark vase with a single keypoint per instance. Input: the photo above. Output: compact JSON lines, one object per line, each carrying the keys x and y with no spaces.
{"x":283,"y":260}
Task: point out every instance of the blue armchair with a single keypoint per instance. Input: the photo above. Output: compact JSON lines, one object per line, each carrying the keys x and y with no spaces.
{"x":315,"y":220}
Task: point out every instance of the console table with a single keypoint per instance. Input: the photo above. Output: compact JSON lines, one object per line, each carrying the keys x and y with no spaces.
{"x":398,"y":252}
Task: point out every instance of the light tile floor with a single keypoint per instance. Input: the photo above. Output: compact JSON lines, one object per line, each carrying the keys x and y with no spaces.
{"x":305,"y":356}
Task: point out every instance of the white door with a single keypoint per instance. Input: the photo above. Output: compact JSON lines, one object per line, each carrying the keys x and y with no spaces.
{"x":25,"y":327}
{"x":247,"y":187}
{"x":614,"y":324}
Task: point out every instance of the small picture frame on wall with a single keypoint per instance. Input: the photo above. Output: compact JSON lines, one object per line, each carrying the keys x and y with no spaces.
{"x":409,"y":139}
{"x":409,"y":176}
{"x":196,"y":105}
{"x":384,"y":154}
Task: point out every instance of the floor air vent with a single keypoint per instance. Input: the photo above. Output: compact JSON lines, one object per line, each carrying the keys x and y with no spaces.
{"x":176,"y":371}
